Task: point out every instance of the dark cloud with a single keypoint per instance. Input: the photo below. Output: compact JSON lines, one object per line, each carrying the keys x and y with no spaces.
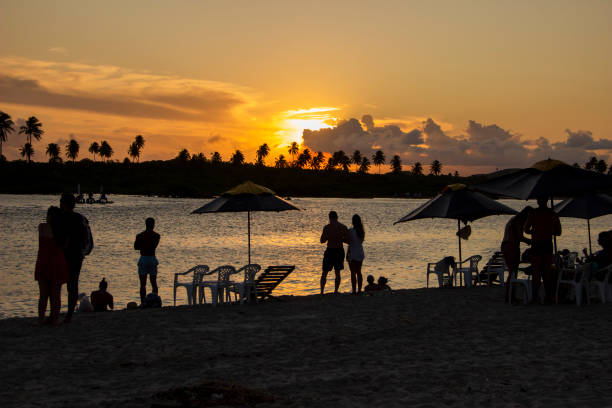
{"x":191,"y":104}
{"x":584,"y":139}
{"x":350,"y":135}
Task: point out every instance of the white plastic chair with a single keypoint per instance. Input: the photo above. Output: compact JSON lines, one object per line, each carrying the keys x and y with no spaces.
{"x":243,"y":290}
{"x":598,"y":288}
{"x":470,"y":271}
{"x":577,"y":278}
{"x":524,"y":283}
{"x":441,"y":270}
{"x":217,"y":287}
{"x":191,"y":287}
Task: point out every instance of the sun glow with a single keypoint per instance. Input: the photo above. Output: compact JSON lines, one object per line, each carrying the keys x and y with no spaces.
{"x":293,"y":122}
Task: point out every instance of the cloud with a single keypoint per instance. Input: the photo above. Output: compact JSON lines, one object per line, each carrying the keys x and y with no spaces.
{"x":118,"y":91}
{"x":350,"y":135}
{"x":58,"y":50}
{"x":584,"y":139}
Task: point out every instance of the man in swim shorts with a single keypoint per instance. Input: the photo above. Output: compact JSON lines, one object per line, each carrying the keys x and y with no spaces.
{"x":146,"y":242}
{"x":335,"y":234}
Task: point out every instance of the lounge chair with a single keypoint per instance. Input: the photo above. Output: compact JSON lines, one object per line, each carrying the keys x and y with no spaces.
{"x":494,"y":270}
{"x":243,"y":290}
{"x":217,"y":287}
{"x":191,"y":286}
{"x":270,"y":279}
{"x":442,"y":270}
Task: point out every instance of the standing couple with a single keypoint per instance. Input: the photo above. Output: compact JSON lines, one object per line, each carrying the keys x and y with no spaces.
{"x":335,"y":235}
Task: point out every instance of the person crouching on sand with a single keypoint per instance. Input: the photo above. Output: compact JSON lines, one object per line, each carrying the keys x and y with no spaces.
{"x":146,"y":242}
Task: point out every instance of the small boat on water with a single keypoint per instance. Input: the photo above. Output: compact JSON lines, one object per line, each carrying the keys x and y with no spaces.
{"x":80,"y":199}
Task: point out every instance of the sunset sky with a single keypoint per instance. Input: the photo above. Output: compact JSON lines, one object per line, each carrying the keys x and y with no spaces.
{"x":477,"y":85}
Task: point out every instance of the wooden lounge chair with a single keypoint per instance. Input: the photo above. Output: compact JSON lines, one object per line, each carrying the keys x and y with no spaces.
{"x":270,"y":279}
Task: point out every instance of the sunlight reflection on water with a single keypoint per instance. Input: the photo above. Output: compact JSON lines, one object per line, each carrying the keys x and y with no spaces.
{"x":400,"y":252}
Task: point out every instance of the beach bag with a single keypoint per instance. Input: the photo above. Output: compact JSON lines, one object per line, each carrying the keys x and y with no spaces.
{"x":88,"y":243}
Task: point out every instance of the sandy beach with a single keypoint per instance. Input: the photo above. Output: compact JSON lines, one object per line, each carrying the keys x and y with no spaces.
{"x":424,"y":348}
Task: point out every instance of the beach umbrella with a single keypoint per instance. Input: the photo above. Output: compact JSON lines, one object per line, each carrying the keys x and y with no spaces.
{"x":587,"y":207}
{"x":547,"y":178}
{"x":458,"y":202}
{"x":246,"y":197}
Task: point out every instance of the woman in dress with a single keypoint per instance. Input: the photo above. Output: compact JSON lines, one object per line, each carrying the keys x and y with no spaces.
{"x":51,"y":269}
{"x":355,"y":254}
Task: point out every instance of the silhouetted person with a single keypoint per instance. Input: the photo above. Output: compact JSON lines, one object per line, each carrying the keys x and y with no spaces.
{"x":355,"y":254}
{"x":542,"y":223}
{"x":511,"y":243}
{"x":76,"y":235}
{"x":382,"y":284}
{"x":334,"y":234}
{"x":101,"y":299}
{"x":51,"y":270}
{"x":146,"y":242}
{"x":371,"y":286}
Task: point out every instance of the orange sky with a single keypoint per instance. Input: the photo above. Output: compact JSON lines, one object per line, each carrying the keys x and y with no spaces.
{"x":477,"y":85}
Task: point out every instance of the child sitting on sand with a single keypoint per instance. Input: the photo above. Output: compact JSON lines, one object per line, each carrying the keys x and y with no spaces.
{"x":382,"y":284}
{"x":371,"y":286}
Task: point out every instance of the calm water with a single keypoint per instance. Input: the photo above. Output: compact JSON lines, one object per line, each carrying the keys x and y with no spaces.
{"x":399,"y":252}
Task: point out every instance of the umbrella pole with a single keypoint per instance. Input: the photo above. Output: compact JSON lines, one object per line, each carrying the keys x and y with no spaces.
{"x":589,"y":229}
{"x":552,"y":206}
{"x":249,"y":232}
{"x":459,"y":239}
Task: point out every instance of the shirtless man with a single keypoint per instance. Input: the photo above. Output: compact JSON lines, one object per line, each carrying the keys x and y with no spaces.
{"x":146,"y":242}
{"x":334,"y":234}
{"x":542,"y":223}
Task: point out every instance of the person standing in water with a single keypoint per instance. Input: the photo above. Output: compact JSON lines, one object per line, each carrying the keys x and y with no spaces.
{"x":334,"y":234}
{"x":146,"y":242}
{"x":354,"y":254}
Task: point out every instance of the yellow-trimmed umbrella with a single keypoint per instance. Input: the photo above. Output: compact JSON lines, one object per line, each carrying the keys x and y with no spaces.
{"x":247,"y":197}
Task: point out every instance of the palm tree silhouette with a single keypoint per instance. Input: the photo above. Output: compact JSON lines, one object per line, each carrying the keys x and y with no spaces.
{"x":304,"y":158}
{"x":396,"y":164}
{"x":435,"y":168}
{"x":237,"y":158}
{"x":364,"y":166}
{"x":417,"y":169}
{"x":53,"y":151}
{"x":601,"y":166}
{"x":331,"y":164}
{"x":134,"y":151}
{"x":183,"y":156}
{"x":293,"y":150}
{"x":590,"y":165}
{"x":317,"y":160}
{"x":27,"y":151}
{"x":94,"y":149}
{"x":72,"y":149}
{"x":139,"y":142}
{"x":356,"y":158}
{"x":106,"y":151}
{"x":280,"y":162}
{"x":6,"y":127}
{"x":32,"y":128}
{"x":215,"y":158}
{"x":262,"y":153}
{"x":378,"y":159}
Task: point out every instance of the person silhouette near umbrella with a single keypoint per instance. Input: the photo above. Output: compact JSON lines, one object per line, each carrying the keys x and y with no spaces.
{"x":511,"y":244}
{"x":542,"y":224}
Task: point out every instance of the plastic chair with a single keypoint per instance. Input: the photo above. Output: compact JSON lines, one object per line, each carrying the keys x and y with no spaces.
{"x":469,"y":272}
{"x":217,"y":287}
{"x":243,"y":290}
{"x":598,"y":288}
{"x":191,"y":287}
{"x":442,"y":270}
{"x":524,"y":283}
{"x":577,"y":278}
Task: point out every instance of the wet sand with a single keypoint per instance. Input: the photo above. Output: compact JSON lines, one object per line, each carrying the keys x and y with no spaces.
{"x":423,"y":348}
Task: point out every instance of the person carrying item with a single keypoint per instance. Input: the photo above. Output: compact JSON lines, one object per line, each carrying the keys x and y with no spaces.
{"x":334,"y":234}
{"x":511,"y":243}
{"x":146,"y":242}
{"x":101,"y":299}
{"x":542,"y":224}
{"x":355,"y":254}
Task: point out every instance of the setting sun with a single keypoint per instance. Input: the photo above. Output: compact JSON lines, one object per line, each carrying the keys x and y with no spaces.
{"x":294,"y":122}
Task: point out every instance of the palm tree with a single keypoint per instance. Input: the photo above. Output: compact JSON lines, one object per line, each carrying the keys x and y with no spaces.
{"x":396,"y":164}
{"x":199,"y":157}
{"x":280,"y":162}
{"x":378,"y":159}
{"x":262,"y":153}
{"x":601,"y":166}
{"x":303,"y":158}
{"x":94,"y":149}
{"x":106,"y":151}
{"x":417,"y":169}
{"x":293,"y":150}
{"x":140,"y":142}
{"x":356,"y":158}
{"x":331,"y":164}
{"x":53,"y":151}
{"x":237,"y":158}
{"x":32,"y":128}
{"x":183,"y":156}
{"x":27,"y":151}
{"x":6,"y":127}
{"x":590,"y":165}
{"x":317,"y":160}
{"x":134,"y":151}
{"x":364,"y":166}
{"x":215,"y":158}
{"x":72,"y":149}
{"x":435,"y":168}
{"x":344,"y":161}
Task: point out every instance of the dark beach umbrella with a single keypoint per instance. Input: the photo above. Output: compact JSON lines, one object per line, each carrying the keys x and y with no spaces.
{"x":247,"y":197}
{"x":547,"y":178}
{"x":458,"y":203}
{"x":587,"y":207}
